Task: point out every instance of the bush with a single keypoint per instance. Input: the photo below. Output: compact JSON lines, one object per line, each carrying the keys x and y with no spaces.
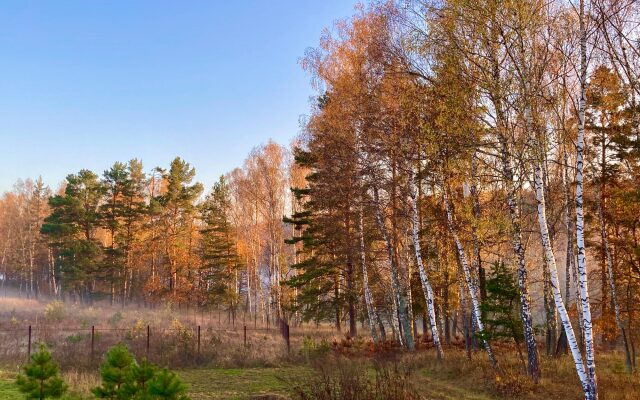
{"x":124,"y":378}
{"x":40,"y":379}
{"x":115,"y":319}
{"x":312,"y":350}
{"x":350,"y":380}
{"x":54,"y":311}
{"x":115,"y":373}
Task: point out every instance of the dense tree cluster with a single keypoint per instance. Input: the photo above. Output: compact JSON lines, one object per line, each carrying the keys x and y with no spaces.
{"x":457,"y":153}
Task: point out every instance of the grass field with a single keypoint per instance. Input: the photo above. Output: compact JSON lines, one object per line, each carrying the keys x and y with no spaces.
{"x":229,"y":368}
{"x":456,"y":381}
{"x":250,"y":383}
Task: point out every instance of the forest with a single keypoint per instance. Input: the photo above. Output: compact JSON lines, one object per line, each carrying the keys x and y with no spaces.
{"x":468,"y":176}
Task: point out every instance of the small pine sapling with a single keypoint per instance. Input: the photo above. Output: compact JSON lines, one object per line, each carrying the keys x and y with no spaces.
{"x":166,"y":385}
{"x":40,"y":379}
{"x":115,"y":373}
{"x":137,"y":385}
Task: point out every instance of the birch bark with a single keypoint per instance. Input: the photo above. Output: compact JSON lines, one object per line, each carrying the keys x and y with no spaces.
{"x":467,"y":277}
{"x":424,"y":279}
{"x":395,"y":280}
{"x":368,"y":297}
{"x":587,"y":330}
{"x":555,"y":284}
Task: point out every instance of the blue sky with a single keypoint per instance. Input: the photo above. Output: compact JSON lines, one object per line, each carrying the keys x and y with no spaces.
{"x":87,"y":83}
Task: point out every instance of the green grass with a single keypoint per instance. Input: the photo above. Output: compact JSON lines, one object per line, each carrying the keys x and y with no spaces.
{"x":9,"y":391}
{"x":245,"y":383}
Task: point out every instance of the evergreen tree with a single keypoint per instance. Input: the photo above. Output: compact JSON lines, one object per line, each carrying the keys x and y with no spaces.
{"x":112,"y":212}
{"x":500,"y":306}
{"x":166,"y":385}
{"x":177,"y":218}
{"x":116,"y":373}
{"x":321,"y":294}
{"x":71,"y":229}
{"x":137,"y":384}
{"x":220,"y":256}
{"x":125,"y":379}
{"x":40,"y":379}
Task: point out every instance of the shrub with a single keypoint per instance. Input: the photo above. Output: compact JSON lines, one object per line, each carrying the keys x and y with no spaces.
{"x":115,"y":372}
{"x":167,"y":386}
{"x":54,"y":311}
{"x":115,"y":319}
{"x":40,"y":379}
{"x":312,"y":349}
{"x":124,"y":378}
{"x":351,"y":380}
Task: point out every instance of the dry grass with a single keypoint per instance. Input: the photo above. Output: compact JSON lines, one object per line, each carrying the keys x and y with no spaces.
{"x":225,"y":368}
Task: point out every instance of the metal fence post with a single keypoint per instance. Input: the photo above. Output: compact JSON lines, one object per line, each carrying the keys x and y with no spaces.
{"x":148,"y":335}
{"x":286,"y":336}
{"x":29,"y":345}
{"x":93,"y":339}
{"x":198,"y":340}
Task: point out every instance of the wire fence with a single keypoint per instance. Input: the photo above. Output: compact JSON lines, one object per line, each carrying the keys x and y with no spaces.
{"x":171,"y":346}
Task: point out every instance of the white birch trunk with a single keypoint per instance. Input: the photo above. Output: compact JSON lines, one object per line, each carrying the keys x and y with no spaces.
{"x":467,"y":277}
{"x":587,"y":330}
{"x":405,"y":333}
{"x":518,"y":247}
{"x":372,"y":314}
{"x":550,"y":260}
{"x":426,"y":285}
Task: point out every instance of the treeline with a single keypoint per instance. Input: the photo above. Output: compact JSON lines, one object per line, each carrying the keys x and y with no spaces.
{"x":132,"y":235}
{"x":461,"y":156}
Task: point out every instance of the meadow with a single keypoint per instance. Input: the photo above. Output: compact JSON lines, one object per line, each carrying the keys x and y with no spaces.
{"x":319,"y":360}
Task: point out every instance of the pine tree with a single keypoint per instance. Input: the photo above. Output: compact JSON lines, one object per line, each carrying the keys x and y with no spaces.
{"x":177,"y":213}
{"x":501,"y":306}
{"x":221,"y":261}
{"x":116,"y":373}
{"x":123,"y":378}
{"x":166,"y":385}
{"x":318,"y":275}
{"x":40,"y":379}
{"x":138,"y":380}
{"x":71,"y":228}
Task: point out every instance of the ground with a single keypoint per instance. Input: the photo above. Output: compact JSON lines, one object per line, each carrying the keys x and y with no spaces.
{"x":241,"y":384}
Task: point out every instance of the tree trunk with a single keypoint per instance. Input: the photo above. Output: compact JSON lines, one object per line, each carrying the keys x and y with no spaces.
{"x":372,"y":314}
{"x":612,"y":286}
{"x":395,"y":280}
{"x":467,"y":277}
{"x":555,"y":284}
{"x":582,"y":262}
{"x":426,"y":285}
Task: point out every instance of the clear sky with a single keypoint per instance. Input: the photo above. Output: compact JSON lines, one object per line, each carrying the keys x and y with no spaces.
{"x":87,"y":83}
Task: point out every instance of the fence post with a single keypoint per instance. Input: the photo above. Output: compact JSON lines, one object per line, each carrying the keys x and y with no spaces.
{"x":29,"y":345}
{"x":198,"y":340}
{"x":148,"y":335}
{"x":93,"y":338}
{"x":245,"y":336}
{"x":286,"y":336}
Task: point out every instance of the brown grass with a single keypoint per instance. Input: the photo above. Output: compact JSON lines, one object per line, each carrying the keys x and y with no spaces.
{"x":174,"y":344}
